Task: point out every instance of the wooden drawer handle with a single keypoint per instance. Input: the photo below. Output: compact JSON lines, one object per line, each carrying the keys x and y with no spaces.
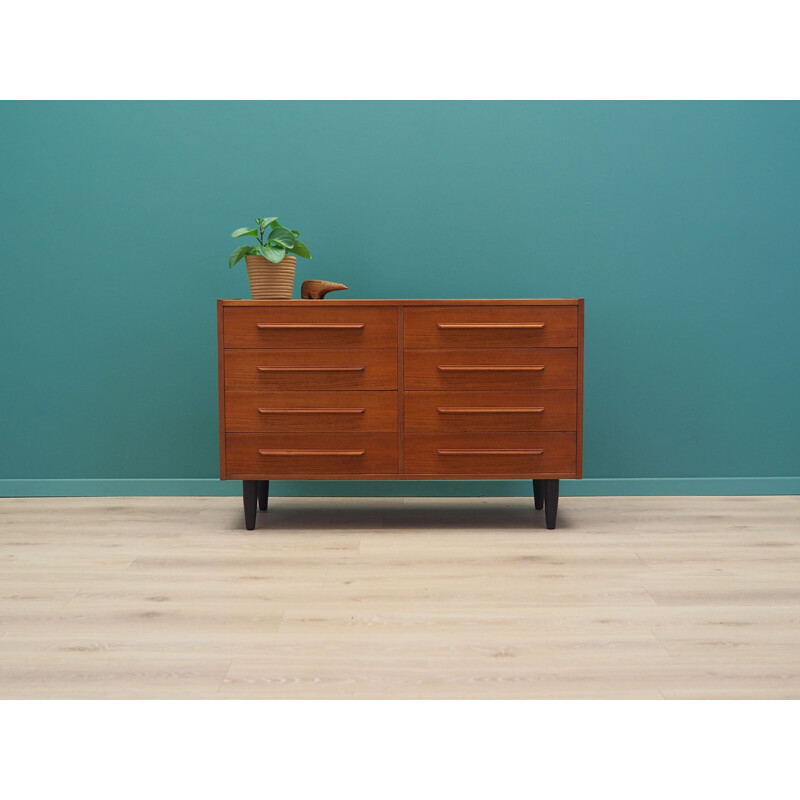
{"x":311,"y":369}
{"x":489,"y":325}
{"x":311,"y":410}
{"x":304,"y":326}
{"x":532,"y":410}
{"x":533,"y":368}
{"x":490,"y":452}
{"x":311,"y":452}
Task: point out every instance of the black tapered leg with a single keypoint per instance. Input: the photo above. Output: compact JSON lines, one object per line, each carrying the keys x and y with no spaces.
{"x":263,"y":495}
{"x":550,"y":502}
{"x":538,"y":495}
{"x":250,"y":496}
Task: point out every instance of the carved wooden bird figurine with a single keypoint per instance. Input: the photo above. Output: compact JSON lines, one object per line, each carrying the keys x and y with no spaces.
{"x":316,"y":290}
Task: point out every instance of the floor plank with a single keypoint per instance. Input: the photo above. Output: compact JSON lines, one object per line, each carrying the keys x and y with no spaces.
{"x":651,"y":598}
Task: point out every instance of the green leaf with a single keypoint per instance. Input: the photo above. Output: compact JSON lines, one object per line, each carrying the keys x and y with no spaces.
{"x":300,"y":250}
{"x":282,"y":237}
{"x":238,"y":254}
{"x":245,"y":232}
{"x":264,"y":221}
{"x":273,"y":254}
{"x":296,"y":233}
{"x":273,"y":222}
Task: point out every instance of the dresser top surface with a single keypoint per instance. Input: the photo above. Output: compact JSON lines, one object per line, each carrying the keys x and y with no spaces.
{"x":428,"y":302}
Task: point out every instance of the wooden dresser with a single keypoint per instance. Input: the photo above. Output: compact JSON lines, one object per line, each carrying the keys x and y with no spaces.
{"x":400,"y":389}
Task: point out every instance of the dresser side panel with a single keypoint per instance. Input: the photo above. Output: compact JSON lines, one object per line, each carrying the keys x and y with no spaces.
{"x":221,"y":387}
{"x":579,"y":438}
{"x":401,"y":403}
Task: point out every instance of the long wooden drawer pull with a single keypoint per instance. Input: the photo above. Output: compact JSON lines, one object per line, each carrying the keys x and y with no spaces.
{"x":490,"y":410}
{"x":305,"y":326}
{"x":311,"y":410}
{"x":521,"y":368}
{"x":311,"y":452}
{"x":311,"y":369}
{"x":489,"y":325}
{"x":490,"y":452}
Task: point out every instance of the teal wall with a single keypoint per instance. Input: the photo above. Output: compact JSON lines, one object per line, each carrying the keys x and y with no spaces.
{"x":678,"y":222}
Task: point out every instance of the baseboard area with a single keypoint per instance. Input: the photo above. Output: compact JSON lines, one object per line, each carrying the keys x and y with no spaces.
{"x":588,"y":487}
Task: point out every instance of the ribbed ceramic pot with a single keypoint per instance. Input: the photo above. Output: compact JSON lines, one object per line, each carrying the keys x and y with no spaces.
{"x":270,"y":281}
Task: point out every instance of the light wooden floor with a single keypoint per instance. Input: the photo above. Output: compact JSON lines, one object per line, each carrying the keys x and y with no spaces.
{"x":661,"y":597}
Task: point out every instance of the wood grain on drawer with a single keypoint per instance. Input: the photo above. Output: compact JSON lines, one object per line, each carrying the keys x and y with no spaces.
{"x":491,"y":326}
{"x":311,"y":369}
{"x":277,"y":412}
{"x":295,"y":455}
{"x":523,"y":455}
{"x":318,"y":326}
{"x":492,"y":368}
{"x":539,"y":410}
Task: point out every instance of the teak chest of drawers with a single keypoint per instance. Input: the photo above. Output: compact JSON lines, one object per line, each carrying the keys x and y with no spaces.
{"x":400,"y":389}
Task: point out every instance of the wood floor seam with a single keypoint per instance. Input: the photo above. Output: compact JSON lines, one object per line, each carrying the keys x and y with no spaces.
{"x":71,"y":599}
{"x":661,"y":642}
{"x":224,"y":676}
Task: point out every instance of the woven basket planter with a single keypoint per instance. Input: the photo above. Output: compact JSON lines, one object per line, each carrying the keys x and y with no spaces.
{"x":270,"y":281}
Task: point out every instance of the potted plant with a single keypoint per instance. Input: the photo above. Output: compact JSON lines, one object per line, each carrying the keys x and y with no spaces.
{"x":271,"y":260}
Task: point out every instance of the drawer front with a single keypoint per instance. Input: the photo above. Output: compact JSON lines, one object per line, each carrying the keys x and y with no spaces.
{"x":278,"y":412}
{"x":491,"y":326}
{"x":298,"y":455}
{"x":523,"y":455}
{"x":317,"y":326}
{"x":533,"y":368}
{"x":546,"y":410}
{"x":310,"y":369}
